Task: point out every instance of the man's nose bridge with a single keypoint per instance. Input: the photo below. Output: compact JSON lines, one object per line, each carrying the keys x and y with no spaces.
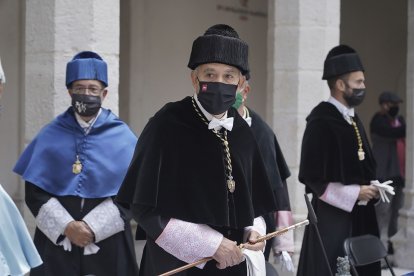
{"x":220,"y":78}
{"x":88,"y":91}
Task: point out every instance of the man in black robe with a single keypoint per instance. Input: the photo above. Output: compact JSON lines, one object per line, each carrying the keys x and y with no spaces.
{"x":277,"y":171}
{"x":337,"y":166}
{"x":197,"y":185}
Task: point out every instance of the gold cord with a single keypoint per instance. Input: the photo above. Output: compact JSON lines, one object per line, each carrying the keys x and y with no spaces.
{"x":231,"y":185}
{"x":361,"y":153}
{"x":246,"y":112}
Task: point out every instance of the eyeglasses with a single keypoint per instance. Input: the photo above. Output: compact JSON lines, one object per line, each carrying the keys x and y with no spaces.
{"x":94,"y":91}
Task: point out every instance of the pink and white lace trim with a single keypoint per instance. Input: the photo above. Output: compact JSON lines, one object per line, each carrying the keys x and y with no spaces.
{"x":341,"y":196}
{"x":188,"y":241}
{"x":283,"y":242}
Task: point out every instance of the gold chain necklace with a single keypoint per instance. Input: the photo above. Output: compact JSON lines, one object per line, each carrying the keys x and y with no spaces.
{"x":231,"y":184}
{"x":361,"y":153}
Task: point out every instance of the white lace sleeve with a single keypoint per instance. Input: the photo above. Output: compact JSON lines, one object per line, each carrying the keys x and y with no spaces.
{"x":105,"y":220}
{"x":52,"y":219}
{"x":188,"y":241}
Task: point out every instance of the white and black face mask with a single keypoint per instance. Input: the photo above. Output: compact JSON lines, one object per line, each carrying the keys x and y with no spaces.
{"x":86,"y":105}
{"x":216,"y":97}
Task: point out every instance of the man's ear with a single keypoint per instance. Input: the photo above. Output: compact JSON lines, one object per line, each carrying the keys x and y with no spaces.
{"x":340,"y":84}
{"x":246,"y":91}
{"x":105,"y":92}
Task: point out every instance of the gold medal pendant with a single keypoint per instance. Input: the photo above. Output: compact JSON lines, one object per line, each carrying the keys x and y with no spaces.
{"x":77,"y":166}
{"x":361,"y":155}
{"x":231,"y":185}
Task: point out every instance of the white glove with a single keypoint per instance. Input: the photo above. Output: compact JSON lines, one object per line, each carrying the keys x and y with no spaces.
{"x":383,"y":189}
{"x":67,"y":245}
{"x":89,"y":249}
{"x":285,"y":261}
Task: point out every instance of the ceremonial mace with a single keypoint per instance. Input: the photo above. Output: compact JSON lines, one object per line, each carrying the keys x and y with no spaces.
{"x":260,"y":239}
{"x":314,"y":221}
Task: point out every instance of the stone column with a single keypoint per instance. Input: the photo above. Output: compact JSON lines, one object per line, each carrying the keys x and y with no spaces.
{"x":403,"y":241}
{"x":300,"y":34}
{"x":55,"y":31}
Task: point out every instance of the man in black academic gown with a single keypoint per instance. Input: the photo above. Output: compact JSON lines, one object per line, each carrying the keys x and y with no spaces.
{"x":197,"y":184}
{"x":72,"y":170}
{"x":337,"y":166}
{"x":278,"y":172}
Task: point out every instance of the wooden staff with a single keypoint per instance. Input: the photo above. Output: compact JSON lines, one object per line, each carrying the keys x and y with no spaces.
{"x":260,"y":239}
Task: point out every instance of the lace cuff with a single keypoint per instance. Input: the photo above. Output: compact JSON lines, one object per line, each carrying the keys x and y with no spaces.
{"x":341,"y":196}
{"x":52,"y":219}
{"x":188,"y":241}
{"x":105,"y":220}
{"x":283,"y":242}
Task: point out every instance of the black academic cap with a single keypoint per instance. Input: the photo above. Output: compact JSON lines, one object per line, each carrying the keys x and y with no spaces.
{"x":389,"y":97}
{"x":220,"y":44}
{"x":341,"y":60}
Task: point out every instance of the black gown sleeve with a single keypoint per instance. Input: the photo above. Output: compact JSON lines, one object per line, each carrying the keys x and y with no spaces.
{"x":150,"y":222}
{"x":35,"y":197}
{"x":380,"y":126}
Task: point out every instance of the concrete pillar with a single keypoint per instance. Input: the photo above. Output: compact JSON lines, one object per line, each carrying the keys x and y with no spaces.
{"x":403,"y":241}
{"x":55,"y":31}
{"x":300,"y":35}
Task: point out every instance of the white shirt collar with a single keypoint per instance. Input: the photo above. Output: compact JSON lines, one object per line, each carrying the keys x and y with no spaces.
{"x":205,"y":113}
{"x":344,"y":110}
{"x":87,"y":125}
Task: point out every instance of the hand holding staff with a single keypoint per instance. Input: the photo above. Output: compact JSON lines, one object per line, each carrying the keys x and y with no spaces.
{"x":260,"y":239}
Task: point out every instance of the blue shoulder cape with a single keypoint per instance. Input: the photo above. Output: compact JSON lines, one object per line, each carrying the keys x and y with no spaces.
{"x":105,"y":154}
{"x":17,"y":251}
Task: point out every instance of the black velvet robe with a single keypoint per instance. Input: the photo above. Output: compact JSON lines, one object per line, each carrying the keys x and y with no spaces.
{"x":115,"y":257}
{"x":329,"y":154}
{"x":276,"y":168}
{"x":178,"y":172}
{"x":384,"y":147}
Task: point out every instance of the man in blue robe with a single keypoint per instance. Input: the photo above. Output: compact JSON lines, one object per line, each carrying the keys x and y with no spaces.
{"x":73,"y":168}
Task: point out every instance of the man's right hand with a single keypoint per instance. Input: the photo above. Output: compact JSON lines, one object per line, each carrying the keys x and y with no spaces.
{"x":368,"y":192}
{"x":79,"y":233}
{"x":228,"y":254}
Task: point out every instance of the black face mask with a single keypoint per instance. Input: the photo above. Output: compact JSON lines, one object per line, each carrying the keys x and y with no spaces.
{"x":356,"y":98}
{"x":216,"y":97}
{"x":86,"y":105}
{"x":393,"y":111}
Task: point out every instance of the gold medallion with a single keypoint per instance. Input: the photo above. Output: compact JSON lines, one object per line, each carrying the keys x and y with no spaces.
{"x":77,"y":166}
{"x":231,"y":185}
